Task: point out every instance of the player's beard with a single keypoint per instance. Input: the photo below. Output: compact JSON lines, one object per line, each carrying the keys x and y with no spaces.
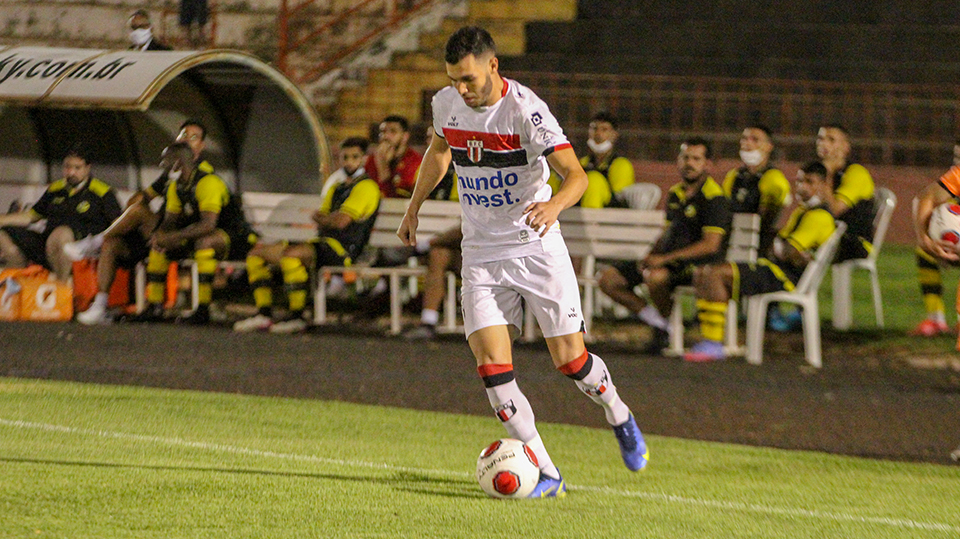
{"x":483,"y":95}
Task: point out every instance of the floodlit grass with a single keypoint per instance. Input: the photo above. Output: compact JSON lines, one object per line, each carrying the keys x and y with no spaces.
{"x":91,"y":461}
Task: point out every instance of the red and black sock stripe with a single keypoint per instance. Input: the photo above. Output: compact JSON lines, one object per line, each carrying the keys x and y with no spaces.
{"x":495,"y":375}
{"x":579,"y":368}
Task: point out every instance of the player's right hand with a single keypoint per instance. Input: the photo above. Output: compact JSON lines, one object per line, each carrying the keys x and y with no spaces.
{"x":942,"y":250}
{"x":408,"y":229}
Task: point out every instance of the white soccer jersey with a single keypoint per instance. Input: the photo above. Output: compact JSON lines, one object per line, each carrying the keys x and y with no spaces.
{"x":500,"y":157}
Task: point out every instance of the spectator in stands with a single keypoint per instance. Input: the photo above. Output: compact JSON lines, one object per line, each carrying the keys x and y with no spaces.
{"x":698,"y":221}
{"x":74,"y":206}
{"x":810,"y":225}
{"x":193,"y":20}
{"x":350,"y":200}
{"x":932,"y":253}
{"x":141,"y":33}
{"x":850,"y":201}
{"x":202,"y":220}
{"x":125,"y":242}
{"x":607,"y":171}
{"x":757,"y":186}
{"x":393,"y":163}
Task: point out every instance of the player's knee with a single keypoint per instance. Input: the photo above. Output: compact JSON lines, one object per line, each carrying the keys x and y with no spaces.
{"x":611,"y":279}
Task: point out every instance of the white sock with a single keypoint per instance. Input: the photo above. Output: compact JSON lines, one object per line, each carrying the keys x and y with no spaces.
{"x":514,"y":411}
{"x":100,"y":300}
{"x":429,"y":317}
{"x":652,"y":317}
{"x":597,"y":384}
{"x":380,"y":287}
{"x":423,"y":246}
{"x":940,"y":317}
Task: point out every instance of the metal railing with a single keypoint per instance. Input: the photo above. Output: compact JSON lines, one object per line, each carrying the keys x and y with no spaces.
{"x":380,"y":16}
{"x":896,"y":124}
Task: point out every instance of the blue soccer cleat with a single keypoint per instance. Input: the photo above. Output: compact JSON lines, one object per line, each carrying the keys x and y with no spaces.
{"x":705,"y":351}
{"x":549,"y":487}
{"x":632,"y":447}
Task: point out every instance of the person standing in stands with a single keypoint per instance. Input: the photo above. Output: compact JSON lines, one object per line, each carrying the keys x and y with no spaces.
{"x":141,"y":33}
{"x":502,"y":140}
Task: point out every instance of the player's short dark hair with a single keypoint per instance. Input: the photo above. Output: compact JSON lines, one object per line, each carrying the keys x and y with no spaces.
{"x":397,"y":119}
{"x":605,"y":116}
{"x":355,"y":142}
{"x":815,"y":167}
{"x":700,"y":141}
{"x":140,"y":13}
{"x":195,"y":123}
{"x":838,"y":127}
{"x":80,"y":150}
{"x":762,"y":127}
{"x":466,"y":41}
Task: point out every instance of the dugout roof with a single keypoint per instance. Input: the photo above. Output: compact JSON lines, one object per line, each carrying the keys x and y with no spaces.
{"x":263,"y":134}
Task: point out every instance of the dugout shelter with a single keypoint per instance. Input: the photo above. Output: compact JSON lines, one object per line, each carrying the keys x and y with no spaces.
{"x":263,"y":134}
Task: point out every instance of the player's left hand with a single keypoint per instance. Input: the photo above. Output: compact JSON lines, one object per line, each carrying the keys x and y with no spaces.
{"x":542,"y":214}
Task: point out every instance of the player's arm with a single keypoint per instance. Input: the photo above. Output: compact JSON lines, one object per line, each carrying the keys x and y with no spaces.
{"x":432,"y":168}
{"x":923,"y":205}
{"x":544,"y":214}
{"x":20,"y":218}
{"x":710,"y":243}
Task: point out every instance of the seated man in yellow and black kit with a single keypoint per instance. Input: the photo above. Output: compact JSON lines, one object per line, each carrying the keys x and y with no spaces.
{"x":203,"y":220}
{"x":809,"y":226}
{"x":350,"y":200}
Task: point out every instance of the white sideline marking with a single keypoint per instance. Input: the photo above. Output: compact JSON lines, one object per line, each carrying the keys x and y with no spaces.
{"x":670,"y":498}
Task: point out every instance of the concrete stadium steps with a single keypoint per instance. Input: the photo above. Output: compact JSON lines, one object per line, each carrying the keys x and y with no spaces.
{"x":406,"y":86}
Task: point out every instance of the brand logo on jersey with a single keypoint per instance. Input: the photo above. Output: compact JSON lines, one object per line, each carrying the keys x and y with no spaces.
{"x":742,"y":194}
{"x":505,"y":411}
{"x":524,"y":236}
{"x":475,"y":150}
{"x":452,"y":122}
{"x":690,"y":211}
{"x":536,"y":118}
{"x":83,"y":207}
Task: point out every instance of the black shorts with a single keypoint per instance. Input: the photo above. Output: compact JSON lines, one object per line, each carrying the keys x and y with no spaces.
{"x":137,"y":249}
{"x":240,"y":246}
{"x":681,"y":274}
{"x":32,"y":244}
{"x":851,"y":248}
{"x":327,"y":255}
{"x":193,"y":10}
{"x":760,"y":278}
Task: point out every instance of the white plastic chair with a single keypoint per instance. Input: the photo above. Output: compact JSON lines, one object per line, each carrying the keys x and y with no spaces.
{"x":885,"y":202}
{"x":804,"y":295}
{"x":641,"y":196}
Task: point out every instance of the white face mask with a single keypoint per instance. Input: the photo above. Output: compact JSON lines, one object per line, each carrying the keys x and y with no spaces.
{"x":140,"y":36}
{"x":599,"y":147}
{"x":174,"y":175}
{"x":813,"y":202}
{"x":751,"y":158}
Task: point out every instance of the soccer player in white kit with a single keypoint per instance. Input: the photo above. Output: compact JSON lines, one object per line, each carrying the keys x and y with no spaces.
{"x":501,"y":138}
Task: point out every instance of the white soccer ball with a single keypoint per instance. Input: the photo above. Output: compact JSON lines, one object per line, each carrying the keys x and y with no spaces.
{"x":945,"y":224}
{"x":507,"y":468}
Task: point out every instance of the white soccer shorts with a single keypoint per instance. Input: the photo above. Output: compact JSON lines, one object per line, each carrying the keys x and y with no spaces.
{"x":492,"y":293}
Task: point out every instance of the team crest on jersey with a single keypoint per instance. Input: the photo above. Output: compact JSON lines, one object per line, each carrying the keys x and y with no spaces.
{"x":475,"y":150}
{"x":83,"y":206}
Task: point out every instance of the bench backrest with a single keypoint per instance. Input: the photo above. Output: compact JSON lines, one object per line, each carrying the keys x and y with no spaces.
{"x":435,"y":217}
{"x":282,"y":216}
{"x":744,"y":238}
{"x":611,"y":233}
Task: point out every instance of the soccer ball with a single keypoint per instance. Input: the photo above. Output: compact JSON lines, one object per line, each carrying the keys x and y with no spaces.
{"x":508,"y":468}
{"x":945,"y":223}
